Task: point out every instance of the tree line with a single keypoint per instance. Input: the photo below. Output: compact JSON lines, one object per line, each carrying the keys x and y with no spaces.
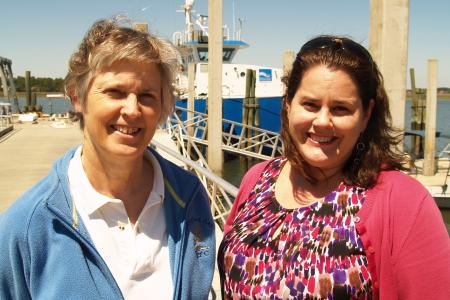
{"x":46,"y":84}
{"x":40,"y":84}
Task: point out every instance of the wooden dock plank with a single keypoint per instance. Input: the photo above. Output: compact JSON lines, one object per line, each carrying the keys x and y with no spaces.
{"x":27,"y":153}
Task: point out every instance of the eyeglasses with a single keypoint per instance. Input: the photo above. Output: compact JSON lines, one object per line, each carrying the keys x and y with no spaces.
{"x":335,"y":44}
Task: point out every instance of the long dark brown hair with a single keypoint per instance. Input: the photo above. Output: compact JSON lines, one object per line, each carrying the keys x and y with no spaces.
{"x":381,"y":140}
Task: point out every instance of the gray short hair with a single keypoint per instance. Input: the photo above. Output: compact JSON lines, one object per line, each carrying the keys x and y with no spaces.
{"x":107,"y":42}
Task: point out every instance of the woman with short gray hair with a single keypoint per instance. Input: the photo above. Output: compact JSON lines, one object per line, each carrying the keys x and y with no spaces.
{"x":113,"y":219}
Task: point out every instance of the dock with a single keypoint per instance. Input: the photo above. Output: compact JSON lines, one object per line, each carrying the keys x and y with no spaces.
{"x":437,"y":184}
{"x":27,"y":153}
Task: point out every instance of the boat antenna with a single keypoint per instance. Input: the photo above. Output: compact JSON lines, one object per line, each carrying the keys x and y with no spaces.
{"x":241,"y":22}
{"x":189,"y":4}
{"x":234,"y":23}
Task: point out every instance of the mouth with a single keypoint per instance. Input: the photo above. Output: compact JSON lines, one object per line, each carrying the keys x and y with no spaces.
{"x":323,"y":140}
{"x":126,"y":129}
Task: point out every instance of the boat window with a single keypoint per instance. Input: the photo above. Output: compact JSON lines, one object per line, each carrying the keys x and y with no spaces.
{"x":242,"y":74}
{"x":202,"y":53}
{"x":227,"y":54}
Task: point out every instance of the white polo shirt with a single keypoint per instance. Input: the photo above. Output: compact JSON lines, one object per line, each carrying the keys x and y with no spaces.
{"x":137,"y":255}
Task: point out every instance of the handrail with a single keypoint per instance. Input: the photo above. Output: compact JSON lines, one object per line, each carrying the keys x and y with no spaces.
{"x":228,"y":187}
{"x":260,"y":143}
{"x":219,"y":191}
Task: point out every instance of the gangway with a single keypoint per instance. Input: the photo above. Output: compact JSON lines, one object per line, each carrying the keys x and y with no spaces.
{"x":188,"y":129}
{"x":191,"y":126}
{"x":7,"y":82}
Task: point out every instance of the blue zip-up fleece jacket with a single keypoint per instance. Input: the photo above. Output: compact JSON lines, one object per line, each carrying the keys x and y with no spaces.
{"x":46,"y":251}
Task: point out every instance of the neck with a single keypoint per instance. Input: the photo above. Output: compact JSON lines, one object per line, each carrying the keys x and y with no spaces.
{"x":327,"y":181}
{"x":130,"y":180}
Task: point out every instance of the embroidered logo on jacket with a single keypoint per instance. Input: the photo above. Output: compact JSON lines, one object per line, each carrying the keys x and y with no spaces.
{"x":199,"y":227}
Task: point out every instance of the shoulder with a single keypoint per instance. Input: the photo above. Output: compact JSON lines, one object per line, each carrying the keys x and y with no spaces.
{"x":251,"y":178}
{"x":23,"y":209}
{"x":398,"y":197}
{"x":259,"y":167}
{"x":181,"y":185}
{"x":30,"y":206}
{"x":397,"y":183}
{"x":25,"y":219}
{"x":253,"y":173}
{"x":173,"y":172}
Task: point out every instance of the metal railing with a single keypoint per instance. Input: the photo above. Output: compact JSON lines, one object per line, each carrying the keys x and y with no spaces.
{"x":220,"y":192}
{"x":237,"y":137}
{"x":5,"y":116}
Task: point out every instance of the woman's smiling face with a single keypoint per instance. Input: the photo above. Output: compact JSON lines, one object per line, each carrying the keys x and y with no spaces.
{"x":326,"y":117}
{"x":122,"y":109}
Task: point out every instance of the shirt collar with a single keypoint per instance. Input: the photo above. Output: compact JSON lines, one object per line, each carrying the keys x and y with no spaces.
{"x":157,"y":194}
{"x":80,"y":181}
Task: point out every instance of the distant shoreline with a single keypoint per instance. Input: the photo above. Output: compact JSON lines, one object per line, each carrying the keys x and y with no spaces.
{"x":441,"y":96}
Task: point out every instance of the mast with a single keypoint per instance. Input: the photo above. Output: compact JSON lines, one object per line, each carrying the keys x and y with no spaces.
{"x":189,"y":4}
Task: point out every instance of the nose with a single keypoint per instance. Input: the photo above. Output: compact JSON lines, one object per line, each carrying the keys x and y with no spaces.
{"x":323,"y":119}
{"x":131,"y":106}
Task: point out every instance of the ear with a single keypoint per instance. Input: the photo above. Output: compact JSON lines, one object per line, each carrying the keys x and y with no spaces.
{"x":368,"y":113}
{"x":76,"y":104}
{"x":288,"y":107}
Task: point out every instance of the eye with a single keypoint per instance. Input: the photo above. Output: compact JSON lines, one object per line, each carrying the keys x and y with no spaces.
{"x":310,"y":105}
{"x":146,"y":97}
{"x":341,"y":109}
{"x":114,"y":93}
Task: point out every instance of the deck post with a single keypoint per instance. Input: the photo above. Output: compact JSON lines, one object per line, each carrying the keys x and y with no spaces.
{"x":429,"y":166}
{"x":288,"y":61}
{"x":389,"y":21}
{"x":215,"y":44}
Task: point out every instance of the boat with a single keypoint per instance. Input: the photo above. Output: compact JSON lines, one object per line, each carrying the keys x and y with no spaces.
{"x":192,"y":43}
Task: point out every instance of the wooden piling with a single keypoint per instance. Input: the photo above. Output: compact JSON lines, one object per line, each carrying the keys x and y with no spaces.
{"x":245,"y":114}
{"x":28,"y":89}
{"x":417,"y":115}
{"x":288,"y":61}
{"x":215,"y":44}
{"x":33,"y":101}
{"x":429,"y":167}
{"x":251,"y":103}
{"x":256,"y":103}
{"x":389,"y":21}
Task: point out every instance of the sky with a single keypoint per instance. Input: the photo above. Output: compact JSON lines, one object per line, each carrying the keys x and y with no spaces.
{"x":40,"y":35}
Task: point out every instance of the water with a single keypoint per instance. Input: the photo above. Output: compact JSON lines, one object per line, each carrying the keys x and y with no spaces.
{"x":442,"y":123}
{"x":49,"y":106}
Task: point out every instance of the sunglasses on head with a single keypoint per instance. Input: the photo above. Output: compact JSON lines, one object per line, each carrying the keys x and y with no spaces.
{"x":335,"y":44}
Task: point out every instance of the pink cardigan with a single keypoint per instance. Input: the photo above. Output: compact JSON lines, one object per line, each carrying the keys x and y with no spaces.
{"x":405,"y":239}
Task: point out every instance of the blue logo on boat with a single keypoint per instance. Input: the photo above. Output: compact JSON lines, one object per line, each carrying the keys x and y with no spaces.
{"x":265,"y":74}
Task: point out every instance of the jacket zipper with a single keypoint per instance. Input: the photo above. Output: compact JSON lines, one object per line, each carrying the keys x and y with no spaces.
{"x":103,"y":267}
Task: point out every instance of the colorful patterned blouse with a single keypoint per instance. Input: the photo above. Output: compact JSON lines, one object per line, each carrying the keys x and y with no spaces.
{"x":312,"y":252}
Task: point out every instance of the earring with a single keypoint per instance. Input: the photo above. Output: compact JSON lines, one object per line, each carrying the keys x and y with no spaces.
{"x":359,"y":149}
